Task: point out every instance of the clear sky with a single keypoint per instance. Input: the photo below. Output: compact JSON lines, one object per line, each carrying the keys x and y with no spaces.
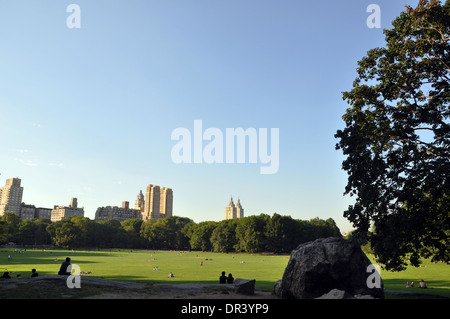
{"x":88,"y":112}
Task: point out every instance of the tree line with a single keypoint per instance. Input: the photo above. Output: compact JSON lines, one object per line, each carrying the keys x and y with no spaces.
{"x":262,"y":233}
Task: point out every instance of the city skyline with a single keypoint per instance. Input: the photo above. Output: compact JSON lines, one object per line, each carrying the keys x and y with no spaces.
{"x":157,"y":204}
{"x":88,"y":112}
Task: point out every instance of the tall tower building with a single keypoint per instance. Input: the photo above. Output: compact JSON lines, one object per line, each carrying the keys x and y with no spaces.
{"x":230,"y":210}
{"x":11,"y":197}
{"x":158,"y":202}
{"x":239,"y":209}
{"x":140,"y":202}
{"x":166,"y":202}
{"x":73,"y":203}
{"x":152,"y":203}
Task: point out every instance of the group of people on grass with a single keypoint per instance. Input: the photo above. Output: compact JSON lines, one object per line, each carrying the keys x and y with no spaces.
{"x":422,"y":284}
{"x":222,"y":279}
{"x":6,"y":274}
{"x":62,"y":271}
{"x":226,"y":280}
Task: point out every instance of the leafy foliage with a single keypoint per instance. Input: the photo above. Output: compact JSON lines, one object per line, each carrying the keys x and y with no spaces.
{"x":261,"y":233}
{"x":397,"y":140}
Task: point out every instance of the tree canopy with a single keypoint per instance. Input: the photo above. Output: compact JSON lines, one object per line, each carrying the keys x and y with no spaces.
{"x":397,"y":140}
{"x":262,"y":233}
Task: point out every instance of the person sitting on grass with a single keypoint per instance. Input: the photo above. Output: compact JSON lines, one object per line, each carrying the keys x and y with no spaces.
{"x":422,"y":284}
{"x":33,"y":273}
{"x":63,"y":269}
{"x":230,"y":279}
{"x":223,"y":278}
{"x":6,"y":275}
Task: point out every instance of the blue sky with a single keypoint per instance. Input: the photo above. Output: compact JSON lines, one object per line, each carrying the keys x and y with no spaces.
{"x":89,"y":112}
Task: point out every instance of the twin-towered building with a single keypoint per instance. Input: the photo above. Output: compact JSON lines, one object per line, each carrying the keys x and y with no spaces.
{"x":232,"y":211}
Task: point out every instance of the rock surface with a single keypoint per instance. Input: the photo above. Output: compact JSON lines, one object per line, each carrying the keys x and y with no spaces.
{"x":315,"y":268}
{"x":336,"y":294}
{"x":244,"y":286}
{"x":340,"y":294}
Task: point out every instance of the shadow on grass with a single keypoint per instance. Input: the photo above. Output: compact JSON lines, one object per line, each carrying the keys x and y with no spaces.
{"x":47,"y":257}
{"x":59,"y":253}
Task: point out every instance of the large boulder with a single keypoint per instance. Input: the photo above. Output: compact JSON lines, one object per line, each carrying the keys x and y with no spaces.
{"x":244,"y":286}
{"x":317,"y":267}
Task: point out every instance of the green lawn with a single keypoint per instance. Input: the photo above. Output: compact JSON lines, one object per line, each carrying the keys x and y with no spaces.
{"x":138,"y":265}
{"x":186,"y":267}
{"x":435,"y":275}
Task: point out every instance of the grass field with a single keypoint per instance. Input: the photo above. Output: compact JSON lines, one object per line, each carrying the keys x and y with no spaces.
{"x":138,"y":265}
{"x":196,"y":267}
{"x":435,"y":275}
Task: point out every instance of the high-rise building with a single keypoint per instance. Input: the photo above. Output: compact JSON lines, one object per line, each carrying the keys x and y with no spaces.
{"x":11,"y":197}
{"x":232,"y":211}
{"x":166,"y":202}
{"x":152,"y":202}
{"x":239,"y":209}
{"x":61,"y":212}
{"x":158,"y":202}
{"x":140,"y":202}
{"x":73,"y":203}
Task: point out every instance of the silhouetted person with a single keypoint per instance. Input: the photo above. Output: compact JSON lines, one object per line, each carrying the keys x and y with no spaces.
{"x":230,"y":279}
{"x":63,"y":269}
{"x":33,"y":273}
{"x":6,"y":275}
{"x":223,"y":278}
